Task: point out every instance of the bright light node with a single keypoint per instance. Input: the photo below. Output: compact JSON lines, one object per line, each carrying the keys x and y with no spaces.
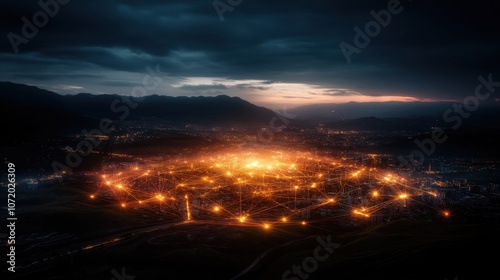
{"x":403,"y":196}
{"x":303,"y":223}
{"x":361,"y":213}
{"x":123,"y":205}
{"x":92,"y":196}
{"x":267,"y":226}
{"x":284,"y":219}
{"x":375,"y":194}
{"x":216,"y":209}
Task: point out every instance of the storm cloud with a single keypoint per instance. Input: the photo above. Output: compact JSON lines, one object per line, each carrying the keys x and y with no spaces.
{"x":430,"y":51}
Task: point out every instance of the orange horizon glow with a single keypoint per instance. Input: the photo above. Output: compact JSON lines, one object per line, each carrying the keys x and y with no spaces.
{"x":292,"y":94}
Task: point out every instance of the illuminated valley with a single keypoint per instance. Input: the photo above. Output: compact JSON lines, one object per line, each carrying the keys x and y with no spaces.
{"x":260,"y":187}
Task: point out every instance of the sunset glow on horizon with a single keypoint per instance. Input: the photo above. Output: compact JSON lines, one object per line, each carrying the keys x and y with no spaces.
{"x":270,"y":93}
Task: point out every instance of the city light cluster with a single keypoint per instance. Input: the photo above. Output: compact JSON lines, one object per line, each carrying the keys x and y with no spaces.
{"x":256,"y":187}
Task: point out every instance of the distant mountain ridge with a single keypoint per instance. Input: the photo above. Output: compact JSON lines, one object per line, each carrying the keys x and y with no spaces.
{"x":221,"y":109}
{"x":28,"y":110}
{"x":395,"y":116}
{"x":392,"y":109}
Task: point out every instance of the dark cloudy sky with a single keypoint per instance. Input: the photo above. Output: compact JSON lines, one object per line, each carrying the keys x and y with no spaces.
{"x":269,"y":52}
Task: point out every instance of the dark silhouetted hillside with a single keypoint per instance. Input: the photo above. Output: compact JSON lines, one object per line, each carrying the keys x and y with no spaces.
{"x":28,"y":111}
